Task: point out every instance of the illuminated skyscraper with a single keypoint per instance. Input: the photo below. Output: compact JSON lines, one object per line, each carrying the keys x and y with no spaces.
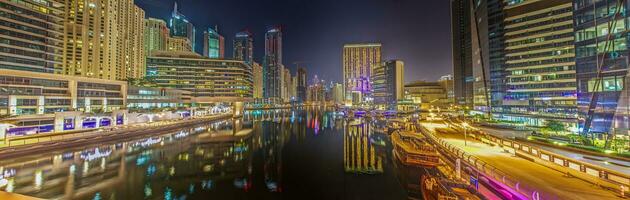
{"x":244,"y":47}
{"x":301,"y":84}
{"x":257,"y":72}
{"x":34,"y":41}
{"x":213,"y":44}
{"x":104,"y":39}
{"x":155,"y":35}
{"x":540,"y":62}
{"x":181,"y":27}
{"x":272,"y":64}
{"x":358,"y":62}
{"x":388,"y":83}
{"x":461,"y":36}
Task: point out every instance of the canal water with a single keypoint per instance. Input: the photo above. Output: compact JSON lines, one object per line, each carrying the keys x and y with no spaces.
{"x":273,"y":154}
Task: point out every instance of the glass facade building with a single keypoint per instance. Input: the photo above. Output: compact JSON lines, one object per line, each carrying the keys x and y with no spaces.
{"x":602,"y":54}
{"x":388,"y":84}
{"x":272,"y":64}
{"x":244,"y":47}
{"x":213,"y":44}
{"x":181,"y":27}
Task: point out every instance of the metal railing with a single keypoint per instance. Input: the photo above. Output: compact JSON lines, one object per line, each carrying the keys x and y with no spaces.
{"x":496,"y":177}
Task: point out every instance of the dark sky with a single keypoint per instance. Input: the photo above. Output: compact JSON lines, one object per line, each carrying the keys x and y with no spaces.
{"x":314,"y":31}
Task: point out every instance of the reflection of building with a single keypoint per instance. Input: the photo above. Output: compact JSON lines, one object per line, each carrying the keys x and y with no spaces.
{"x":257,"y":72}
{"x":104,"y":39}
{"x":213,"y":44}
{"x":360,"y":155}
{"x":427,"y":94}
{"x":358,"y":62}
{"x":602,"y":102}
{"x":244,"y":47}
{"x":272,"y":64}
{"x":181,"y":27}
{"x":32,"y":40}
{"x":155,"y":35}
{"x":388,"y":84}
{"x":205,"y":78}
{"x":540,"y":83}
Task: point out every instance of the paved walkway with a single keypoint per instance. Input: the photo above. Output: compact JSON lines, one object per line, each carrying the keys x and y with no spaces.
{"x":550,"y":183}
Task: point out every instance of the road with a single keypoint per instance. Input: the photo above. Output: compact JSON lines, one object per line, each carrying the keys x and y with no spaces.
{"x":621,"y":166}
{"x":550,"y":183}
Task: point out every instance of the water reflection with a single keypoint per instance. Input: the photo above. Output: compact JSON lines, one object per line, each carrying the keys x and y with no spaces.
{"x":266,"y":155}
{"x":359,"y":152}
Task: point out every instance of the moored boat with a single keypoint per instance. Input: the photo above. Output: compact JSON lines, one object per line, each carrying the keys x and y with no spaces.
{"x":413,"y":150}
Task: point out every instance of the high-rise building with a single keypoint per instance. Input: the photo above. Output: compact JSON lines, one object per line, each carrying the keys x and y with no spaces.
{"x":358,"y":62}
{"x":156,"y":35}
{"x":181,"y":27}
{"x":244,"y":46}
{"x":258,"y":80}
{"x":286,"y":85}
{"x":388,"y":83}
{"x":104,"y":39}
{"x":601,"y":51}
{"x":539,"y":62}
{"x":461,"y":34}
{"x":272,"y":64}
{"x":31,"y":35}
{"x":213,"y":44}
{"x":178,"y":44}
{"x":337,"y":93}
{"x":301,"y":84}
{"x":293,"y":88}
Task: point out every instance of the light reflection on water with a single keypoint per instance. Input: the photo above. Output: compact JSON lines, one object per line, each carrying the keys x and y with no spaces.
{"x":268,"y":155}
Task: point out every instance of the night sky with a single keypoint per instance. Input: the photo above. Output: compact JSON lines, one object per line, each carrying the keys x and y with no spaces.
{"x":314,"y":31}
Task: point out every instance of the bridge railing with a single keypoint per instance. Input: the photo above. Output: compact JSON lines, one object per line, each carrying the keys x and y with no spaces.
{"x":566,"y":163}
{"x":497,"y":178}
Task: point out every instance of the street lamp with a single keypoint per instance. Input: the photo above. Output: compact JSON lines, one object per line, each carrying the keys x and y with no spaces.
{"x":465,"y":124}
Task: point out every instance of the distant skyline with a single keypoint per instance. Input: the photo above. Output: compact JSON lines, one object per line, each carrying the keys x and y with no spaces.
{"x":314,"y":32}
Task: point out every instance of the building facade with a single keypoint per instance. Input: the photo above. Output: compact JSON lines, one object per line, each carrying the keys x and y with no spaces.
{"x":32,"y":35}
{"x":209,"y":80}
{"x":257,"y":72}
{"x":156,"y":35}
{"x":427,"y":94}
{"x":33,"y":93}
{"x":301,"y":84}
{"x":213,"y":44}
{"x":179,"y":26}
{"x":272,"y":64}
{"x":178,"y":44}
{"x":461,"y":34}
{"x":104,"y":39}
{"x":602,"y":54}
{"x":143,"y":98}
{"x":358,"y":62}
{"x":539,"y":62}
{"x":244,"y":47}
{"x":388,"y":83}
